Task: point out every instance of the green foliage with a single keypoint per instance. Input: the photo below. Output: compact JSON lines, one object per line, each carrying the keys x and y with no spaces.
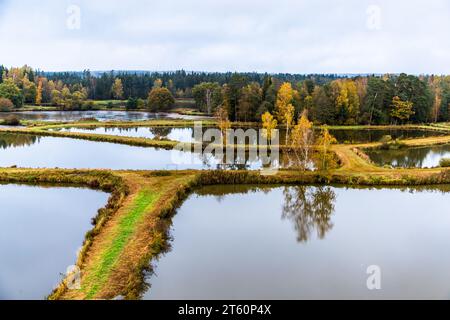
{"x":160,"y":99}
{"x":9,"y":90}
{"x":132,"y":103}
{"x":207,"y":96}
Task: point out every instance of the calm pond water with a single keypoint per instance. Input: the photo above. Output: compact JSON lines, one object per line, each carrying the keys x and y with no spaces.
{"x":375,"y":135}
{"x":187,"y":134}
{"x":167,"y":133}
{"x":233,"y":242}
{"x":39,"y":152}
{"x":99,"y":115}
{"x":423,"y":157}
{"x":41,"y":230}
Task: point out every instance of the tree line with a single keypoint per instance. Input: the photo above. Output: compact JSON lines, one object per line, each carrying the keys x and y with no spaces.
{"x":329,"y":99}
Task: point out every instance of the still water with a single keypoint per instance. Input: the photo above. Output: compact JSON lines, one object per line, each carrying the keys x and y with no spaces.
{"x":423,"y":157}
{"x":187,"y":134}
{"x":41,"y":230}
{"x":236,"y":242}
{"x":166,"y":133}
{"x":30,"y":151}
{"x":375,"y":135}
{"x":64,"y":116}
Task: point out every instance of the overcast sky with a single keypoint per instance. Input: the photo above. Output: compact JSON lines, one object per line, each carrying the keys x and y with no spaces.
{"x":296,"y":36}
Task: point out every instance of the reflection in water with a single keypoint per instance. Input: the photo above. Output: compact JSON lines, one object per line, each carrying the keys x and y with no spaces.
{"x":309,"y":209}
{"x":423,"y":157}
{"x":375,"y":135}
{"x":17,"y":140}
{"x":230,"y":242}
{"x":187,"y":134}
{"x":41,"y":230}
{"x":99,"y":115}
{"x":158,"y":133}
{"x":76,"y":153}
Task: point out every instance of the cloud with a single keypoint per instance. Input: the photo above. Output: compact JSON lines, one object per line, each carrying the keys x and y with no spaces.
{"x":237,"y":35}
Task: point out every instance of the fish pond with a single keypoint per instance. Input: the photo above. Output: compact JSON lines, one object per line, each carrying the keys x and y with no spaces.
{"x":413,"y":157}
{"x":349,"y":136}
{"x":41,"y":230}
{"x":31,"y":151}
{"x":307,"y":242}
{"x":112,"y":115}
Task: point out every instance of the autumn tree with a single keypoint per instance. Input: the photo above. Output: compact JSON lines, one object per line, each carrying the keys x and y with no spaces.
{"x":6,"y":105}
{"x":157,"y":84}
{"x":284,"y":107}
{"x":117,"y":89}
{"x":324,"y":142}
{"x":160,"y":99}
{"x":302,"y":139}
{"x":9,"y":90}
{"x":268,"y":124}
{"x":401,"y":110}
{"x":223,"y":121}
{"x":346,"y":101}
{"x":39,"y":93}
{"x":28,"y":90}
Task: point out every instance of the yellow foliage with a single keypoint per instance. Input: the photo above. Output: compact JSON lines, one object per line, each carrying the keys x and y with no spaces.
{"x":269,"y":124}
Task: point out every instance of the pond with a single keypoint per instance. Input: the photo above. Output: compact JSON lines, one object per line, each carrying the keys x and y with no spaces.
{"x":31,"y":151}
{"x":41,"y":230}
{"x":375,"y":135}
{"x":307,"y":242}
{"x":187,"y":134}
{"x":420,"y":157}
{"x":66,"y":116}
{"x":166,"y":133}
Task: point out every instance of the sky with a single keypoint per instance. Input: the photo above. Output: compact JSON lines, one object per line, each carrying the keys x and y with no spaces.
{"x":294,"y":36}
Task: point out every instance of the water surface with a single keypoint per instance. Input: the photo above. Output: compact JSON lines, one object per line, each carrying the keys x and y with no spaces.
{"x":66,"y":116}
{"x":422,"y":157}
{"x":161,"y":133}
{"x":41,"y":230}
{"x":24,"y":150}
{"x":306,"y":243}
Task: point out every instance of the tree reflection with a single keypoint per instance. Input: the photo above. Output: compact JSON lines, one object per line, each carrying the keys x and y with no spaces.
{"x":17,"y":140}
{"x":160,"y":132}
{"x":309,"y":208}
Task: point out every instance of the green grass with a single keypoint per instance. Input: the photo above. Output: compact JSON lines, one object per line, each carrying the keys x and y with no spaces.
{"x":125,"y":230}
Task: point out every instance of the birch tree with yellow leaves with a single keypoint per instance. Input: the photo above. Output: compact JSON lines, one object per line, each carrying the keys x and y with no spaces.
{"x":284,"y":107}
{"x":268,"y":124}
{"x":302,"y":140}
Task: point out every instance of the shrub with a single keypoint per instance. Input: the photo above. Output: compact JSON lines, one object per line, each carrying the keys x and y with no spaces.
{"x":11,"y":120}
{"x":445,"y":162}
{"x":6,"y":105}
{"x":88,"y":105}
{"x":160,"y":99}
{"x":89,"y":119}
{"x":392,"y":145}
{"x":385,"y":139}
